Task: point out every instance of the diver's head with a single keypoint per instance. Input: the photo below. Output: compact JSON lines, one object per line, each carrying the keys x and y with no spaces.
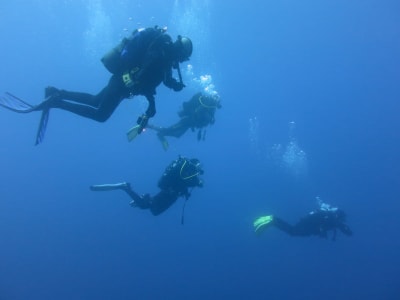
{"x":183,"y":48}
{"x":196,"y":163}
{"x":210,"y":99}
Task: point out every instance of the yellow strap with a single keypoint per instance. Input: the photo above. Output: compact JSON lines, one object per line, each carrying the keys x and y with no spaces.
{"x":204,"y":105}
{"x":187,"y":177}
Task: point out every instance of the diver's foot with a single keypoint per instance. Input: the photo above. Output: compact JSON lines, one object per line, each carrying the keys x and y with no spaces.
{"x":46,"y":104}
{"x":52,"y":92}
{"x":124,"y":186}
{"x":154,"y":127}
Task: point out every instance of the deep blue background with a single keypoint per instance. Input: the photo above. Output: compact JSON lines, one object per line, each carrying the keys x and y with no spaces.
{"x":333,"y":67}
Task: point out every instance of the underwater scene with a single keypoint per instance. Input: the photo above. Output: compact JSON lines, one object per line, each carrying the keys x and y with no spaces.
{"x":186,"y":149}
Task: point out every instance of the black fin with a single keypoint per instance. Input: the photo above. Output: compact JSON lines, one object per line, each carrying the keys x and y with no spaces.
{"x":15,"y":104}
{"x":42,"y":126}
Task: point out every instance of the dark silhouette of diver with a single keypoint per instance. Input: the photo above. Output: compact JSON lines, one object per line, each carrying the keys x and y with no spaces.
{"x":138,"y":64}
{"x":180,"y":175}
{"x":318,"y":223}
{"x":197,"y":113}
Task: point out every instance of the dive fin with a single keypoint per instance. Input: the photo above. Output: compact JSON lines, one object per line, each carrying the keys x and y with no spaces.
{"x":15,"y":104}
{"x":109,"y":186}
{"x":137,"y":129}
{"x":261,"y":223}
{"x":42,"y":126}
{"x":163,"y":141}
{"x":133,"y":133}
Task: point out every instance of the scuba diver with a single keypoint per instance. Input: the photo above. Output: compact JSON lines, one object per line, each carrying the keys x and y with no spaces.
{"x":197,"y":113}
{"x":318,"y":223}
{"x":181,"y":175}
{"x":138,"y":65}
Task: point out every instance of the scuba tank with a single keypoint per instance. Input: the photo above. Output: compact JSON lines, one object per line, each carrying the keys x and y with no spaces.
{"x":112,"y":59}
{"x":171,"y":173}
{"x":130,"y":51}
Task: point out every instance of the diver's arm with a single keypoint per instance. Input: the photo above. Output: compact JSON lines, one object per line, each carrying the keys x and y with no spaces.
{"x":144,"y":118}
{"x":151,"y":108}
{"x":171,"y":82}
{"x":345,"y":229}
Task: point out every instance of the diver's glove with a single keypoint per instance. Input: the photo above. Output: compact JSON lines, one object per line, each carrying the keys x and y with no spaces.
{"x":143,"y":118}
{"x":178,"y":86}
{"x":142,"y":122}
{"x":261,"y":223}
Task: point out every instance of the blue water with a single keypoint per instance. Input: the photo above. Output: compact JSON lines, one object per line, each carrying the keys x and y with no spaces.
{"x":330,"y":67}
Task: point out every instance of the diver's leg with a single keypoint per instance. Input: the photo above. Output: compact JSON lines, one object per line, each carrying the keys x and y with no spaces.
{"x":176,"y":130}
{"x":284,"y":226}
{"x":113,"y":87}
{"x":108,"y":104}
{"x":55,"y":98}
{"x":105,"y":101}
{"x":132,"y":194}
{"x":98,"y":108}
{"x":82,"y":98}
{"x":162,"y":201}
{"x":307,"y":227}
{"x":142,"y":202}
{"x":51,"y":94}
{"x":137,"y":200}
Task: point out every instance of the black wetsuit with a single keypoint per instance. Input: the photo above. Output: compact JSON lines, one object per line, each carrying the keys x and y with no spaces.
{"x":198,"y":112}
{"x":155,"y":66}
{"x":315,"y":223}
{"x":178,"y":177}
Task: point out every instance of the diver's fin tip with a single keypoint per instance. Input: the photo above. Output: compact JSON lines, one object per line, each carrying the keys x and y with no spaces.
{"x":133,"y":133}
